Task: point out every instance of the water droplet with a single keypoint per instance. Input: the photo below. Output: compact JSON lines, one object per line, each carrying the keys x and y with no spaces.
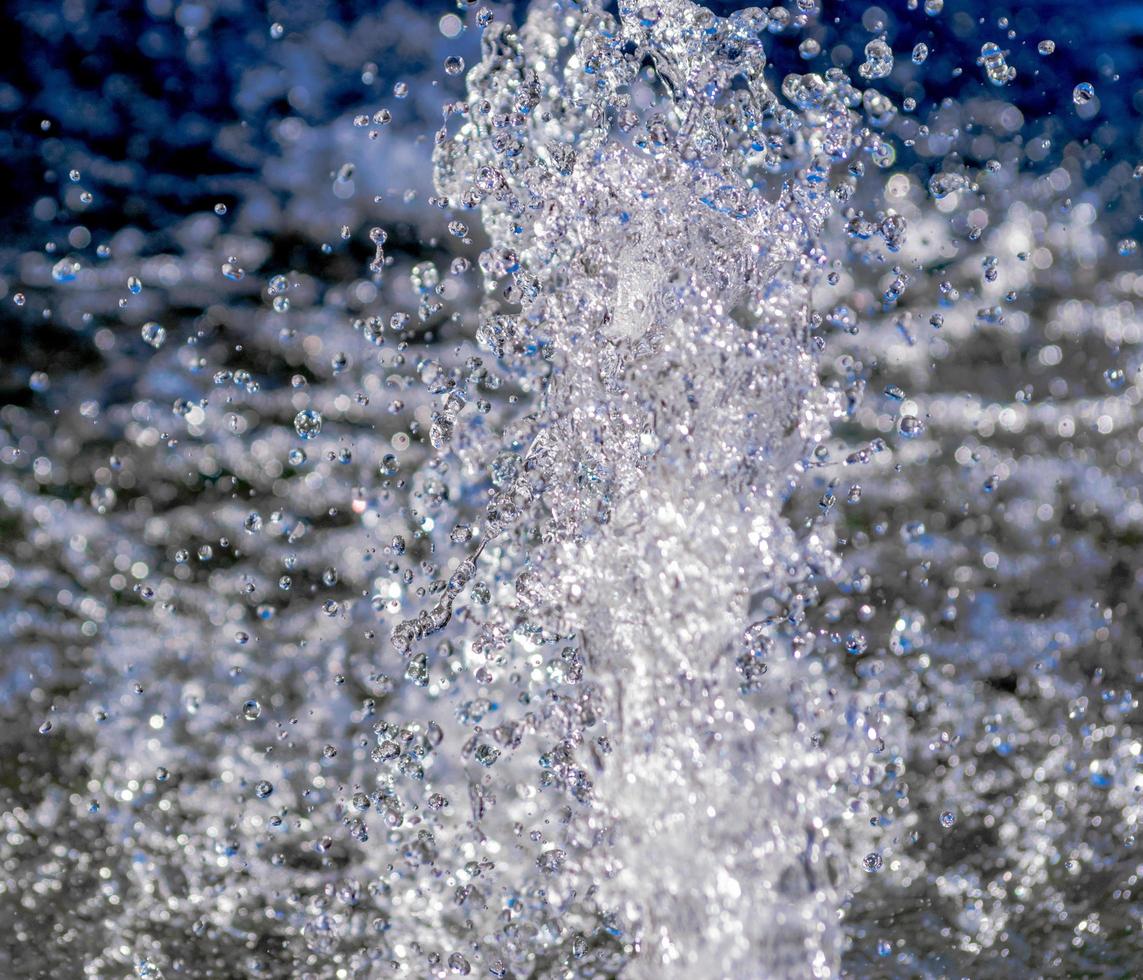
{"x":153,"y":335}
{"x":1115,"y":378}
{"x":996,"y":68}
{"x":308,"y":423}
{"x":1083,"y":93}
{"x":910,"y":426}
{"x":232,"y":270}
{"x":878,"y":60}
{"x":66,"y":270}
{"x":943,"y":184}
{"x":487,"y":755}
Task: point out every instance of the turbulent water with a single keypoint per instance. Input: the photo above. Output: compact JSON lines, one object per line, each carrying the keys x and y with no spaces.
{"x":574,"y":492}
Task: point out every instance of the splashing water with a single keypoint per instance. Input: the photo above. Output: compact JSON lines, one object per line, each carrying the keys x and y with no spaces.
{"x":493,"y":593}
{"x":667,"y":299}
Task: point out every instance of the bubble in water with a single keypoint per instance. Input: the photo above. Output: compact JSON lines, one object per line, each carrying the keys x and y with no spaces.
{"x":308,"y":423}
{"x":920,"y":52}
{"x":872,"y":862}
{"x":1046,"y":47}
{"x":454,"y":65}
{"x":134,"y":285}
{"x":251,"y":710}
{"x":948,"y":819}
{"x":1083,"y":93}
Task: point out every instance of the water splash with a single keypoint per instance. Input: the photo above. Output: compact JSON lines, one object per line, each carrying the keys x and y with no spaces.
{"x":664,"y":299}
{"x":536,"y":586}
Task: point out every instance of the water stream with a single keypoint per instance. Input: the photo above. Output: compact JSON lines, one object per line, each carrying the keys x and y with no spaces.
{"x":641,"y":491}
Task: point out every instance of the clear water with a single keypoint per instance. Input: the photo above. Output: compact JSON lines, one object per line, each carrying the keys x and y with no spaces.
{"x":680,"y":518}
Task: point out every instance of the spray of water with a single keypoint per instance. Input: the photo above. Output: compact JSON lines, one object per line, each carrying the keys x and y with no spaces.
{"x":659,"y":300}
{"x":635,"y":560}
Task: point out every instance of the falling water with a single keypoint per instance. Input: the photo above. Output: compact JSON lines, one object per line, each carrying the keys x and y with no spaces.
{"x":693,"y":535}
